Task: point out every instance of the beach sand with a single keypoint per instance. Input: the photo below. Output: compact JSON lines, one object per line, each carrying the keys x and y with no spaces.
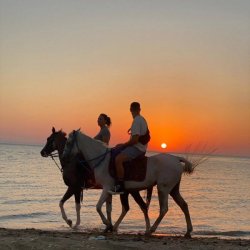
{"x":23,"y":239}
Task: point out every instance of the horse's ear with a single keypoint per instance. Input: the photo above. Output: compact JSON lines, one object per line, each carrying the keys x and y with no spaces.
{"x":53,"y":130}
{"x":64,"y":134}
{"x":74,"y":131}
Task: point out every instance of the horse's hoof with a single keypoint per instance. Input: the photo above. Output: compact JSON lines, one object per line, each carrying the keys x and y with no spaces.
{"x":188,"y":235}
{"x":69,"y":222}
{"x":75,"y":227}
{"x":108,"y":228}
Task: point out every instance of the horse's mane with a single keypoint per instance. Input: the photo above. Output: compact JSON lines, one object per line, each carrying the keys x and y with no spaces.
{"x":92,"y":139}
{"x":62,"y":132}
{"x":103,"y":143}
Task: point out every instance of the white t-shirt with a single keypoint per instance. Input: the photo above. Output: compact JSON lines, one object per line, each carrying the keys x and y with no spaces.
{"x":139,"y":127}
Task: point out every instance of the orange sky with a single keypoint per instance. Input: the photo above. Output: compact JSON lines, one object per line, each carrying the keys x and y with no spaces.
{"x":188,"y":65}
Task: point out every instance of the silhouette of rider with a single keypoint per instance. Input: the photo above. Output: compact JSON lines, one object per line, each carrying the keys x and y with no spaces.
{"x":132,"y":148}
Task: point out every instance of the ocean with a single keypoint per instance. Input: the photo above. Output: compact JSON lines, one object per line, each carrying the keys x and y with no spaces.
{"x":218,"y":195}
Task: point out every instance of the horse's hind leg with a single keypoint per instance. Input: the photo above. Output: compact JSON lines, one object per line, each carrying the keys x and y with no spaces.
{"x":163,"y":192}
{"x":125,"y":208}
{"x":66,"y":196}
{"x":175,"y":193}
{"x":144,"y":207}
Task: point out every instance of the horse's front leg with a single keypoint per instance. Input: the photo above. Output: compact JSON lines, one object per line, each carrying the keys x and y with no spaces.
{"x":104,"y":197}
{"x":77,"y":193}
{"x":66,"y":196}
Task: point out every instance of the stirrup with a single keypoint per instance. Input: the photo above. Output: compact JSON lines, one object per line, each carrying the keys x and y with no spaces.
{"x":116,"y":190}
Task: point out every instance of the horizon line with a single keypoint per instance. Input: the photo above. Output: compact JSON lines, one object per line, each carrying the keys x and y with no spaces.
{"x":152,"y":151}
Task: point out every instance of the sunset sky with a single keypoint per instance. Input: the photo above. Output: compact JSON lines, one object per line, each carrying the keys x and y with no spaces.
{"x":62,"y":63}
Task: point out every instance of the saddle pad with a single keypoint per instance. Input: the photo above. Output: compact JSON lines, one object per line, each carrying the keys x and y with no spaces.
{"x":134,"y":170}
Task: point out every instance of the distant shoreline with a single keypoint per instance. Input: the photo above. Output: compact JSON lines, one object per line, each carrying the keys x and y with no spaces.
{"x":21,"y":144}
{"x":151,"y":151}
{"x":42,"y":239}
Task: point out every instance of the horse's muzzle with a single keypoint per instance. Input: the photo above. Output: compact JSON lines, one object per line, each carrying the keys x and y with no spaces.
{"x":44,"y":154}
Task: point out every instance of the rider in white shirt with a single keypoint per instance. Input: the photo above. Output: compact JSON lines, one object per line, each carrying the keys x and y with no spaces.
{"x":132,"y":148}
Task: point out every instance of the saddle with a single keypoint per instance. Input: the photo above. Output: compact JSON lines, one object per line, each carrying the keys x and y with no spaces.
{"x":134,"y":170}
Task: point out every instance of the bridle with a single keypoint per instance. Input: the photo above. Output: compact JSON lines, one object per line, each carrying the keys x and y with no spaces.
{"x":55,"y":155}
{"x":52,"y":155}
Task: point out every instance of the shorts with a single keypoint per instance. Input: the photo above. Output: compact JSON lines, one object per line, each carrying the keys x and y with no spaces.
{"x":132,"y":152}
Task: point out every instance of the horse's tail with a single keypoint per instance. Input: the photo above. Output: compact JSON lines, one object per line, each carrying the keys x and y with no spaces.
{"x":188,"y":166}
{"x":149,"y":195}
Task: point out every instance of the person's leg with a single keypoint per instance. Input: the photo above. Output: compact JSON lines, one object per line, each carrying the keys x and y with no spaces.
{"x":119,"y":185}
{"x":127,"y":154}
{"x":119,"y":165}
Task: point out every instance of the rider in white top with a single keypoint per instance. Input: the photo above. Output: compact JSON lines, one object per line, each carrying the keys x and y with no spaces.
{"x":139,"y":127}
{"x":133,"y":147}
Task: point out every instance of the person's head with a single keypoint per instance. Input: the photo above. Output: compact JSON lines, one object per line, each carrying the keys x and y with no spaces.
{"x":135,"y":108}
{"x":103,"y":120}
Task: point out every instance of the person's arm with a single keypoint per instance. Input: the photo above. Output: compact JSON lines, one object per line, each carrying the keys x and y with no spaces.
{"x":105,"y":139}
{"x":132,"y":141}
{"x":105,"y":135}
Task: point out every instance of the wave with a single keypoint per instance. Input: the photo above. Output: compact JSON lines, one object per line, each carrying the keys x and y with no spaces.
{"x":12,"y":202}
{"x":22,"y":216}
{"x":33,"y":201}
{"x":224,"y":233}
{"x":208,"y":233}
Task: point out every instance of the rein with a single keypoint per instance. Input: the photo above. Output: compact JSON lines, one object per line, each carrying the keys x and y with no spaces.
{"x":85,"y":162}
{"x":52,"y":155}
{"x":101,"y":157}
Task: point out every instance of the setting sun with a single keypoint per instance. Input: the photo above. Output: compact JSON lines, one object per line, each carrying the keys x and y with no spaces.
{"x":163,"y":145}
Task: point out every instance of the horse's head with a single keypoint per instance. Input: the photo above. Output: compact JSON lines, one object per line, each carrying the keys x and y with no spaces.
{"x":70,"y":148}
{"x":56,"y":141}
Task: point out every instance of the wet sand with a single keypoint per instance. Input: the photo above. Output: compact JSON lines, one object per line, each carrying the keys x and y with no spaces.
{"x":23,"y":239}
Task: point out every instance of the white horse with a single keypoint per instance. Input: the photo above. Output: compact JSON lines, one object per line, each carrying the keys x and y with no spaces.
{"x":163,"y":170}
{"x":76,"y":180}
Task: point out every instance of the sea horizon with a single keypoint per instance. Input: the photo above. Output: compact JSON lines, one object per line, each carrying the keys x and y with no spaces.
{"x":151,"y":151}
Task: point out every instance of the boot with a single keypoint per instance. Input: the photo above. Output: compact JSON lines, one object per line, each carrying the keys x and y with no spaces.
{"x":118,"y":188}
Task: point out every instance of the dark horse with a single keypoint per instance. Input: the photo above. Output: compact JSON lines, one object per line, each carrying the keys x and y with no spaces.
{"x":73,"y":177}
